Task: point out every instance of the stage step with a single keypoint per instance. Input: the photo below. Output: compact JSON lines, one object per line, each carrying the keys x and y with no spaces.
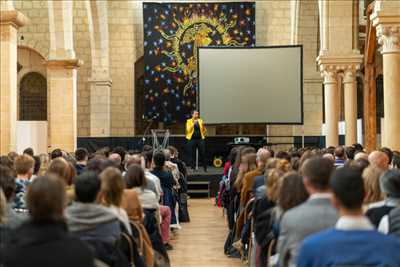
{"x":197,"y":189}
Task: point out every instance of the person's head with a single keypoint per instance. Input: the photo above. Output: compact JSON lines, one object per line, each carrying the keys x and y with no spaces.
{"x":159,"y":159}
{"x":316,"y":172}
{"x":135,"y":177}
{"x":46,"y":199}
{"x":262,"y":157}
{"x":12,"y":155}
{"x":350,"y":150}
{"x":148,"y":158}
{"x":6,"y":161}
{"x":116,"y":158}
{"x":340,"y":152}
{"x":273,"y":183}
{"x":120,"y":151}
{"x":358,"y":147}
{"x":291,"y":191}
{"x":329,"y":156}
{"x":373,"y":191}
{"x":379,"y":159}
{"x":62,"y":169}
{"x":96,"y":165}
{"x":167,"y":154}
{"x":112,"y":187}
{"x":361,"y":164}
{"x":23,"y":165}
{"x":388,"y":152}
{"x":133,"y":160}
{"x":390,"y":183}
{"x":87,"y":187}
{"x":81,"y":155}
{"x":249,"y":161}
{"x":243,"y":151}
{"x":29,"y":151}
{"x":304,"y":157}
{"x":360,"y":155}
{"x":283,"y":155}
{"x":56,"y":153}
{"x":173,"y":152}
{"x":348,"y":190}
{"x":195,"y":114}
{"x":7,"y":182}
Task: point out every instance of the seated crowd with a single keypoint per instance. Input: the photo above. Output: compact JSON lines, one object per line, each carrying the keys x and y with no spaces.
{"x":109,"y":208}
{"x":312,"y":207}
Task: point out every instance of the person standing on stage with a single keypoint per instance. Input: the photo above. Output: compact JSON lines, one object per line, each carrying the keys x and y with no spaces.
{"x":196,"y":134}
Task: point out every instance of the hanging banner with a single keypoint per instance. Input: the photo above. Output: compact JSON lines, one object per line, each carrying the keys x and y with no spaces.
{"x":172,"y":34}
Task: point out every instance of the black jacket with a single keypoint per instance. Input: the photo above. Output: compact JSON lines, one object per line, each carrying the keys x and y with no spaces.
{"x":45,"y":244}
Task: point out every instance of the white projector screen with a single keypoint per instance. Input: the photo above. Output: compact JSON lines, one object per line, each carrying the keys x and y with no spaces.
{"x":251,"y":85}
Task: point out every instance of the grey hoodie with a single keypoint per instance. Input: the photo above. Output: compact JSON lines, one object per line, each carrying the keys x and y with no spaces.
{"x":90,"y":221}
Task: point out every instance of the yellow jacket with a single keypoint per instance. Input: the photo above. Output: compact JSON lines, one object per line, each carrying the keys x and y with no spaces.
{"x":190,"y":128}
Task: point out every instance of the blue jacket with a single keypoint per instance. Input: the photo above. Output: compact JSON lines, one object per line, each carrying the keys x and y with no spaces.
{"x":349,"y":248}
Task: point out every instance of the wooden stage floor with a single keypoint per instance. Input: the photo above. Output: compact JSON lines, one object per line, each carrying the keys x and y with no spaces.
{"x":200,"y":243}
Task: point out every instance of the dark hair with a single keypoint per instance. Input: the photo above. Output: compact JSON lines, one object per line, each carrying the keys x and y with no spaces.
{"x":172,"y":150}
{"x":283,"y":155}
{"x":37,"y":165}
{"x":7,"y":182}
{"x":148,"y":157}
{"x":318,"y":170}
{"x":339,"y":152}
{"x":388,"y":152}
{"x":56,"y":153}
{"x":135,"y":177}
{"x":348,"y":187}
{"x":46,"y":199}
{"x":396,"y":159}
{"x":87,"y":186}
{"x":360,"y":164}
{"x":29,"y":151}
{"x":147,"y":148}
{"x":81,"y":154}
{"x":292,"y":191}
{"x":232,"y":154}
{"x":350,"y":152}
{"x":95,"y":165}
{"x":159,"y":159}
{"x":358,"y":147}
{"x":6,"y":161}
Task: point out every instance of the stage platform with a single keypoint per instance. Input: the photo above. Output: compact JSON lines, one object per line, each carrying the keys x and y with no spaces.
{"x":204,"y":184}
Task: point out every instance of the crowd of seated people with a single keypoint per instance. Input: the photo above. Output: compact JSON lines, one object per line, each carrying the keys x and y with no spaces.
{"x":338,"y":206}
{"x":111,"y":208}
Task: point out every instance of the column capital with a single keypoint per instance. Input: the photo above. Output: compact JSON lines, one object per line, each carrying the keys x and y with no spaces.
{"x":331,"y":65}
{"x":386,"y":19}
{"x":64,"y":63}
{"x":349,"y":75}
{"x":13,"y":17}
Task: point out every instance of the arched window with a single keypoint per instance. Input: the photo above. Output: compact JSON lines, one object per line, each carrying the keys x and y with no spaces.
{"x":33,"y":97}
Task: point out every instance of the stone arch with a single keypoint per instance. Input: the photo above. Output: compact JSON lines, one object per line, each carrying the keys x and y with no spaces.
{"x":33,"y":97}
{"x":31,"y":84}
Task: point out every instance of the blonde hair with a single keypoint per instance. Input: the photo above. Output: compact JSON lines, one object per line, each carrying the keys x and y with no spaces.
{"x":274,"y":179}
{"x":371,"y":182}
{"x":3,"y":205}
{"x":250,"y":161}
{"x":112,"y":187}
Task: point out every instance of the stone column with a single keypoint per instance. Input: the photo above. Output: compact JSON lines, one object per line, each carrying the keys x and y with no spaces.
{"x":331,"y":108}
{"x":386,"y":19}
{"x":350,"y":106}
{"x":10,"y":21}
{"x":100,"y":113}
{"x":62,"y":103}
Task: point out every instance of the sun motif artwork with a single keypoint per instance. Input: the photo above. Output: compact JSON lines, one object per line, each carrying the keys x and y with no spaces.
{"x":172,"y":34}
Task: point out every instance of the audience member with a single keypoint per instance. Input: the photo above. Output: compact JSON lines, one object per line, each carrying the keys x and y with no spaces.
{"x":23,"y":166}
{"x":291,"y":192}
{"x":353,"y":241}
{"x":396,"y":160}
{"x":373,"y":194}
{"x":379,"y":159}
{"x":66,"y":172}
{"x":82,"y":157}
{"x":388,"y":152}
{"x":295,"y":225}
{"x":44,"y":240}
{"x":28,"y":151}
{"x":36,"y":167}
{"x":116,"y":159}
{"x":390,"y":186}
{"x":87,"y":219}
{"x":340,"y":156}
{"x":56,"y":153}
{"x":111,"y":194}
{"x":360,"y":155}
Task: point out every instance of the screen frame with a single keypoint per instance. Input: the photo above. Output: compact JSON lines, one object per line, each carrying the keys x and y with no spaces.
{"x":254,"y":47}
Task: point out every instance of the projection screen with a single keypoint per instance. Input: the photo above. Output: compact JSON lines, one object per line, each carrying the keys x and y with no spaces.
{"x":251,"y":85}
